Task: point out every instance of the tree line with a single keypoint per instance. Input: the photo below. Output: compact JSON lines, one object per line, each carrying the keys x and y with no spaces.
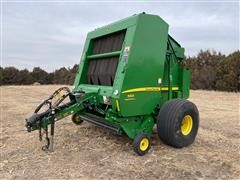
{"x":215,"y":71}
{"x":13,"y":76}
{"x":210,"y":70}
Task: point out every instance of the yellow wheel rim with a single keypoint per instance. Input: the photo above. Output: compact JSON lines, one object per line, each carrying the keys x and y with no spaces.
{"x":187,"y":124}
{"x":144,"y":144}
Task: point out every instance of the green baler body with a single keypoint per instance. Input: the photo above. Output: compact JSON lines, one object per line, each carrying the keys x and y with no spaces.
{"x":148,"y":72}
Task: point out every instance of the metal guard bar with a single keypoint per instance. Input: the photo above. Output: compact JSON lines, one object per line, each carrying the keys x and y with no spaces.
{"x":104,"y":55}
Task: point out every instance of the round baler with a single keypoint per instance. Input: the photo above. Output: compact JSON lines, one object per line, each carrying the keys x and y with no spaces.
{"x":131,"y":76}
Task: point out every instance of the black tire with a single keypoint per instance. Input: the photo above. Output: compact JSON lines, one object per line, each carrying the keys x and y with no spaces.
{"x":171,"y":123}
{"x":76,"y":119}
{"x":141,"y":144}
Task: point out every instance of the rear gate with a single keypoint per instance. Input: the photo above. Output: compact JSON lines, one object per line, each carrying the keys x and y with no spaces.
{"x":101,"y":71}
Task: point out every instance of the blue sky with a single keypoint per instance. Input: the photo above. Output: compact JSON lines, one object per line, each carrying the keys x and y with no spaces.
{"x":51,"y":35}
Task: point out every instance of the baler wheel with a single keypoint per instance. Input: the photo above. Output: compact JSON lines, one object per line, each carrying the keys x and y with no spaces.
{"x":177,"y":123}
{"x":141,"y":144}
{"x":76,"y":119}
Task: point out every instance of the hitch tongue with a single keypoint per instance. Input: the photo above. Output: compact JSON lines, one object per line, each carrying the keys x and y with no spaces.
{"x":57,"y":109}
{"x":31,"y":121}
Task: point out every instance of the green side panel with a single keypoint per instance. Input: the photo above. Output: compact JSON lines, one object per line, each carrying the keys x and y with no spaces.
{"x":144,"y":65}
{"x":134,"y":127}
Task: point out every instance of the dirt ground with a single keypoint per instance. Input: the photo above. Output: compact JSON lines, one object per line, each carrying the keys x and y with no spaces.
{"x":89,"y":152}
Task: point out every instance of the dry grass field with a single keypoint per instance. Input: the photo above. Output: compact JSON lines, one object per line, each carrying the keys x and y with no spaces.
{"x":89,"y":152}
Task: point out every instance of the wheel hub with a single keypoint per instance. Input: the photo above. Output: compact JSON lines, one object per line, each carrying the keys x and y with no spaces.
{"x":186,"y":126}
{"x":144,"y":144}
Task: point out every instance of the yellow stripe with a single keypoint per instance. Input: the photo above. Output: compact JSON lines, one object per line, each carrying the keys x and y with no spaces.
{"x":142,"y":89}
{"x":117,"y":104}
{"x":149,"y":89}
{"x":164,"y":88}
{"x":175,"y":88}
